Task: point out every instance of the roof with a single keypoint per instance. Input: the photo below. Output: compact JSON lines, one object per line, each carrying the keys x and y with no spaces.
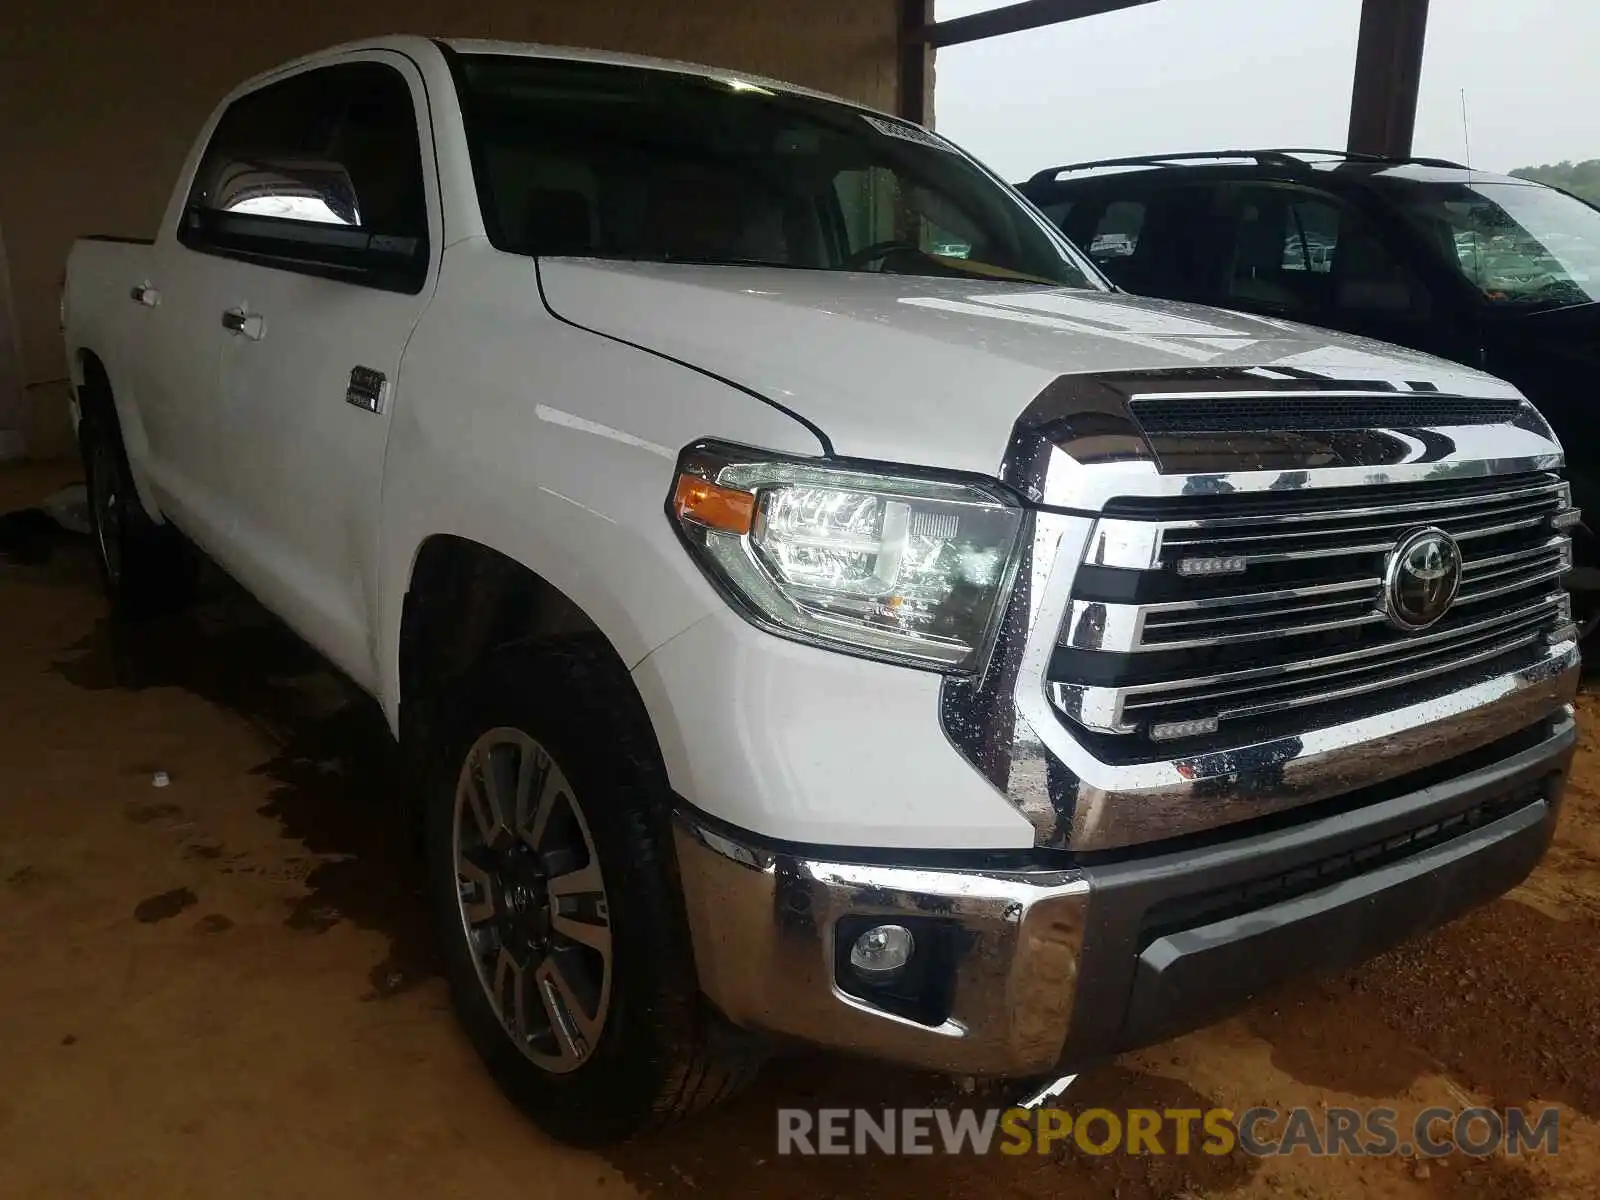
{"x":414,"y":44}
{"x":642,"y":62}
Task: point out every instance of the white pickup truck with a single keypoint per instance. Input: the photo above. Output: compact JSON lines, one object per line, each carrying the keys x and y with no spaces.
{"x":813,"y":604}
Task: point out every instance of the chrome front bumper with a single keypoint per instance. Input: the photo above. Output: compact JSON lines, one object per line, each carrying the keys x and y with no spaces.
{"x":763,"y":929}
{"x":1054,"y":968}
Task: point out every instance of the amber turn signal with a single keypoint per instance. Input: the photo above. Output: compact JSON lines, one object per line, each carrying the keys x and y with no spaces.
{"x":710,"y":504}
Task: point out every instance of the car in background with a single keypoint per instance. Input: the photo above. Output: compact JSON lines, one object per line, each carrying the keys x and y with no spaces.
{"x":1499,"y":273}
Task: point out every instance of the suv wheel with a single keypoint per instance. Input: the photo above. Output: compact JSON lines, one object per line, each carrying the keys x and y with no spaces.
{"x":553,"y":887}
{"x":531,"y":895}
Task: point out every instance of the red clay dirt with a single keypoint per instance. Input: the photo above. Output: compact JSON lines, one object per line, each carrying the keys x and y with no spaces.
{"x":226,"y":986}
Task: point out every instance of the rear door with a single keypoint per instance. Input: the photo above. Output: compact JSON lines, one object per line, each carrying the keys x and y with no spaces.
{"x":1149,"y":236}
{"x":1308,"y":255}
{"x":325,"y":211}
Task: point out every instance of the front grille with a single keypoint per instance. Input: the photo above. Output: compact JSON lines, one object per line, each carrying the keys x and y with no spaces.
{"x":1179,"y":414}
{"x":1211,"y":620}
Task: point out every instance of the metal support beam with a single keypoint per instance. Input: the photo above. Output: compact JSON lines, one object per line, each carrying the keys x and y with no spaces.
{"x":915,"y":61}
{"x":1014,"y":18}
{"x":1383,"y":102}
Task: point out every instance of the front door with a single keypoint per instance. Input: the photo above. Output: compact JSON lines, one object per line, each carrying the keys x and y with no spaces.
{"x":323,"y":214}
{"x":1307,"y":255}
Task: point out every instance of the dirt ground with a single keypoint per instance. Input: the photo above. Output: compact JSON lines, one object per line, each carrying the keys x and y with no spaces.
{"x":224,"y":987}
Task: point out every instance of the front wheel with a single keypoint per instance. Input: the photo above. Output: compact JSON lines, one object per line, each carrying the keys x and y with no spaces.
{"x":552,"y":882}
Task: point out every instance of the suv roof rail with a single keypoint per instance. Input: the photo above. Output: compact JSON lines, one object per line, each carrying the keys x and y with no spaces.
{"x":1277,"y":157}
{"x":1264,"y":157}
{"x":1358,"y":156}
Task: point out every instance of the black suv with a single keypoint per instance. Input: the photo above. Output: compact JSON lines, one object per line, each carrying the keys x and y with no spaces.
{"x":1498,"y":273}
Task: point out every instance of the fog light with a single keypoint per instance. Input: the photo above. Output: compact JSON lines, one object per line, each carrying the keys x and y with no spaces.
{"x":881,"y":953}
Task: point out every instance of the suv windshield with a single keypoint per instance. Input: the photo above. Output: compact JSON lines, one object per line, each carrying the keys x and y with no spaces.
{"x":1520,"y":244}
{"x":598,"y":160}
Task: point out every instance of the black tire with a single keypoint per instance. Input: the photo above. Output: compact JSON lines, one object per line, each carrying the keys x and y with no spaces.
{"x":145,"y":568}
{"x":660,"y":1054}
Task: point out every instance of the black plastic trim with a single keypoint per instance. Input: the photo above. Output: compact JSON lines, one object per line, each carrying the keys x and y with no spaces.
{"x":1134,"y":991}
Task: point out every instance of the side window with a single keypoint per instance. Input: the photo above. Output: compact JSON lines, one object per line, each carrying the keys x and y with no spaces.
{"x":1313,"y":234}
{"x":320,"y":173}
{"x":1308,"y":256}
{"x":1116,"y":233}
{"x":1150,"y":241}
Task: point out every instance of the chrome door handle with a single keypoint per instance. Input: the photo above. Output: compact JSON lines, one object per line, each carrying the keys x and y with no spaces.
{"x":143,"y":293}
{"x":250,"y":325}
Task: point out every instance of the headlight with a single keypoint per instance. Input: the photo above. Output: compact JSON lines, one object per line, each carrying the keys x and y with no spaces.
{"x":894,"y":566}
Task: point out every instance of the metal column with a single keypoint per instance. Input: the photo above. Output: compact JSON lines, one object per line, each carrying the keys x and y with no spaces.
{"x":1383,"y":103}
{"x":916,"y":57}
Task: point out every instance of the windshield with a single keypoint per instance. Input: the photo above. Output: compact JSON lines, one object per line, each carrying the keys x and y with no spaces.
{"x":1521,"y":245}
{"x":592,"y":159}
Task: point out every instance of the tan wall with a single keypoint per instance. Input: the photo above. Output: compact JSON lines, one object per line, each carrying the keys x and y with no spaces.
{"x":99,"y":99}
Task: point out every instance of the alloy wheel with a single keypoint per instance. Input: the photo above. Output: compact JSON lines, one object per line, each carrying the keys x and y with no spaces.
{"x":532,"y":899}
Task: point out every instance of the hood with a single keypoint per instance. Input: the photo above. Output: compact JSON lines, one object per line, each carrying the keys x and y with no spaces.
{"x":903,"y":368}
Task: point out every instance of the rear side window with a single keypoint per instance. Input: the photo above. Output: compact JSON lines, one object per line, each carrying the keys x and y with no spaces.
{"x":319,"y":173}
{"x":1312,"y":235}
{"x":1116,"y":233}
{"x":1305,"y":255}
{"x":1152,"y":242}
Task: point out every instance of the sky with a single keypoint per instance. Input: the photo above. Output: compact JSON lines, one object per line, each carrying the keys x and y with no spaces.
{"x":1221,"y":74}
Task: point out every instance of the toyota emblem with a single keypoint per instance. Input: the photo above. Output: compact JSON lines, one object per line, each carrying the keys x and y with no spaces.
{"x":1421,"y":578}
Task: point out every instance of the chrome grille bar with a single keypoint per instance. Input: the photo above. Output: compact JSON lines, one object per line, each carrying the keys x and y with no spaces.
{"x":1138,"y":542}
{"x":1216,"y":620}
{"x":1312,"y":632}
{"x":1391,"y":514}
{"x":1414,"y":675}
{"x":1397,"y":669}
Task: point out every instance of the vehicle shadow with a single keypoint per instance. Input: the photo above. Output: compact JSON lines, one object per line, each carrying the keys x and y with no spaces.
{"x":335,"y":783}
{"x":732,"y":1151}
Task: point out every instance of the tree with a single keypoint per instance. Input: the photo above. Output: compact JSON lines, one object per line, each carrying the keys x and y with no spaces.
{"x":1581,"y":178}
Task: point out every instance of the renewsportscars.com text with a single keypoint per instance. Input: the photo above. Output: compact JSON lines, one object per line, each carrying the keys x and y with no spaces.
{"x":1262,"y":1132}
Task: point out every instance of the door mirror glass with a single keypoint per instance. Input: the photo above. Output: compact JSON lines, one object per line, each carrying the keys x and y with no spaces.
{"x":291,"y":191}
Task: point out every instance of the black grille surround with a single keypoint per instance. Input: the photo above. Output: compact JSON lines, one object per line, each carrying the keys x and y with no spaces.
{"x":1282,"y":629}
